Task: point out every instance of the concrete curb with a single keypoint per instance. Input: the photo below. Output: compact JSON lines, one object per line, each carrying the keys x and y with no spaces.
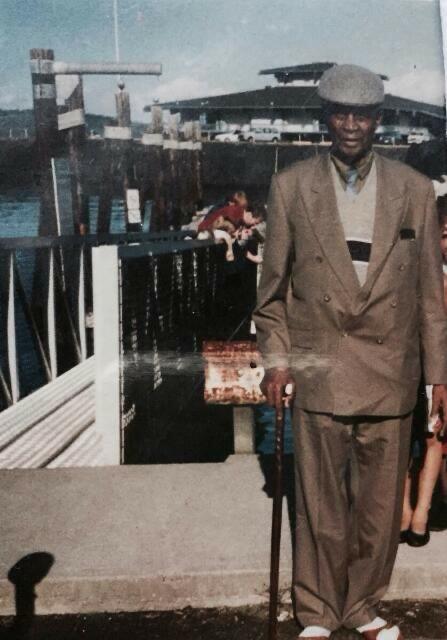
{"x":162,"y":537}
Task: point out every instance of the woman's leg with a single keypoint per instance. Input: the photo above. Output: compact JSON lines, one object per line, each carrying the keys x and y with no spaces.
{"x":427,"y":480}
{"x":407,"y":512}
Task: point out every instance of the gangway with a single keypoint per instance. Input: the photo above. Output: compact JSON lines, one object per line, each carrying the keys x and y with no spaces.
{"x":54,"y":426}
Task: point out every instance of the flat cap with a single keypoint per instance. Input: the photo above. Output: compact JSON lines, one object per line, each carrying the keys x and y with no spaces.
{"x":350,"y":85}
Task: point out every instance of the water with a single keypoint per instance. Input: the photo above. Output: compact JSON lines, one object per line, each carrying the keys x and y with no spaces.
{"x":19,"y":215}
{"x":19,"y":218}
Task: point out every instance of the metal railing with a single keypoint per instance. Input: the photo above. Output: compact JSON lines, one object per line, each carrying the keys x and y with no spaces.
{"x":159,"y":304}
{"x":46,"y":302}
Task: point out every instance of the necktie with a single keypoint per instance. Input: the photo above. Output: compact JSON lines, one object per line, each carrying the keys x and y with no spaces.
{"x":351,"y":179}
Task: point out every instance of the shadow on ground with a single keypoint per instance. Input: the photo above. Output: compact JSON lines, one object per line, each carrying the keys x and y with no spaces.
{"x":425,"y":620}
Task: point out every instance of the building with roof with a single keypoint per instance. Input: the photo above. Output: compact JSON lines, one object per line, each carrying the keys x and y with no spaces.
{"x":295,"y":105}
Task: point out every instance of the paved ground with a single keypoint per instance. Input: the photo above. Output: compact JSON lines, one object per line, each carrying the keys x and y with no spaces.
{"x":417,"y":620}
{"x":157,"y":537}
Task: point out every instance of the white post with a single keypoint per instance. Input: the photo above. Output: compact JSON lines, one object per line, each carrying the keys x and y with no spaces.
{"x":51,"y":318}
{"x":244,"y":430}
{"x":81,"y":306}
{"x":12,"y":337}
{"x":107,"y":350}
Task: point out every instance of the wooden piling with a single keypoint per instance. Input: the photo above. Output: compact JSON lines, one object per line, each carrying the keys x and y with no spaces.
{"x":156,"y":171}
{"x":197,"y":165}
{"x":122,"y":101}
{"x":170,"y":160}
{"x":46,"y":142}
{"x":106,"y":188}
{"x":76,"y":141}
{"x":186,"y":177}
{"x":46,"y":132}
{"x":129,"y":179}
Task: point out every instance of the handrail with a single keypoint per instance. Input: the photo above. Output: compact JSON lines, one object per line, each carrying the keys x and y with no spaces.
{"x":55,"y":315}
{"x":92,"y":240}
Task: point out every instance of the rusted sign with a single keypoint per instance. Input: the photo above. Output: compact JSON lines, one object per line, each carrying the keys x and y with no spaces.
{"x":233,"y":372}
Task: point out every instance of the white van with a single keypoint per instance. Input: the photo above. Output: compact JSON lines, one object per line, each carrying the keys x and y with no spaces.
{"x":263,"y":134}
{"x":416,"y":137}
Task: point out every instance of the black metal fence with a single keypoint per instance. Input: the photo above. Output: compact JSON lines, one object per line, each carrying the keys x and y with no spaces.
{"x":45,"y":306}
{"x":171,"y":301}
{"x":173,"y":294}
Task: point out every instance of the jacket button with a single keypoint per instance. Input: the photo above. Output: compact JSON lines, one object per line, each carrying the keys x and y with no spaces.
{"x":344,"y":334}
{"x":393,"y":304}
{"x":401,"y":267}
{"x":327,"y":298}
{"x":379,"y":340}
{"x":318,"y":258}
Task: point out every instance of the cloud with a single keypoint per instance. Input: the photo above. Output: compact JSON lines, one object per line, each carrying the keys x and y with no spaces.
{"x":423,"y":85}
{"x":8,"y":100}
{"x":11,"y":98}
{"x":99,"y":95}
{"x":184,"y":87}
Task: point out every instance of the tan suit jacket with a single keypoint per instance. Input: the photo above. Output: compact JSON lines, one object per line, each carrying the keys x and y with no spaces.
{"x":354,"y":350}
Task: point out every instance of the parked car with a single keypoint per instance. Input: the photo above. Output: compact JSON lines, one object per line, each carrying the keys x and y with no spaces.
{"x":391,"y":137}
{"x":263,"y":134}
{"x":416,"y":137}
{"x":229,"y":136}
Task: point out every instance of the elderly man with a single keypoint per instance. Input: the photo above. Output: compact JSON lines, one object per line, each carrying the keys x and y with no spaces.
{"x":351,"y":296}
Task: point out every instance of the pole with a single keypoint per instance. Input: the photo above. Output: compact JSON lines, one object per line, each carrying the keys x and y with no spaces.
{"x":76,"y":141}
{"x":158,"y":217}
{"x":276,"y":524}
{"x":45,"y":117}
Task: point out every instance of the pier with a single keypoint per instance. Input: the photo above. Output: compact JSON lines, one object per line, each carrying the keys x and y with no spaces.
{"x":143,"y":496}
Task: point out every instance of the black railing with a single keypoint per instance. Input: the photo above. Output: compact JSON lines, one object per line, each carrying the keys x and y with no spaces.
{"x":46,"y":305}
{"x":171,"y":301}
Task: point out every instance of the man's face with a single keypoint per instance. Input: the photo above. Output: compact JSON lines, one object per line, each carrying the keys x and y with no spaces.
{"x":352,"y":131}
{"x":444,"y":240}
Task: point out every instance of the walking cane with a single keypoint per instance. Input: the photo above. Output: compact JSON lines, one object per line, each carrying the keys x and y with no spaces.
{"x":276,"y":518}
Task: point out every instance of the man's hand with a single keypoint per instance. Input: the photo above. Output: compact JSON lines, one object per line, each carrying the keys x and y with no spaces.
{"x":273,"y":386}
{"x":439,"y":402}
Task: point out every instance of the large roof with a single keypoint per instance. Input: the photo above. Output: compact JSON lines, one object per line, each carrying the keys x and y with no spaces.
{"x":312,"y":71}
{"x":288,"y":97}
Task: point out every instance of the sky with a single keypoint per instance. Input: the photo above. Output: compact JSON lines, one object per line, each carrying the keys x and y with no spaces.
{"x":210,"y":47}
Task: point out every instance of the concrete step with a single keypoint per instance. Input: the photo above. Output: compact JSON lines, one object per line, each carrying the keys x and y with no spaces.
{"x":139,"y":538}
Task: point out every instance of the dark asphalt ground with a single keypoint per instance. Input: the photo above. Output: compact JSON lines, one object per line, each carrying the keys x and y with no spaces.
{"x":426,"y":620}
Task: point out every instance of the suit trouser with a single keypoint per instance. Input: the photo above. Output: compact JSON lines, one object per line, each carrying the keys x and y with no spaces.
{"x":349,"y":476}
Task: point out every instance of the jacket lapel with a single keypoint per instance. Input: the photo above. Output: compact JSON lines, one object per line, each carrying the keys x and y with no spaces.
{"x":389,"y":212}
{"x":325,"y":220}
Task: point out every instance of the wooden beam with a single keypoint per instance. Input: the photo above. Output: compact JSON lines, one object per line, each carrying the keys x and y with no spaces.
{"x":107,"y":68}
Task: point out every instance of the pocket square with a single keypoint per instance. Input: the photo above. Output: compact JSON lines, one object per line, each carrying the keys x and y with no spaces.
{"x":407,"y":234}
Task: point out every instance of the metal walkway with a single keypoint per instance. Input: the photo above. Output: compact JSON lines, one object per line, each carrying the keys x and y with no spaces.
{"x":54,"y":426}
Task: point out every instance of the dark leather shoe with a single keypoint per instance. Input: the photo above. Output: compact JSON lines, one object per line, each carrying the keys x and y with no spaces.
{"x":418,"y":539}
{"x":403,"y":536}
